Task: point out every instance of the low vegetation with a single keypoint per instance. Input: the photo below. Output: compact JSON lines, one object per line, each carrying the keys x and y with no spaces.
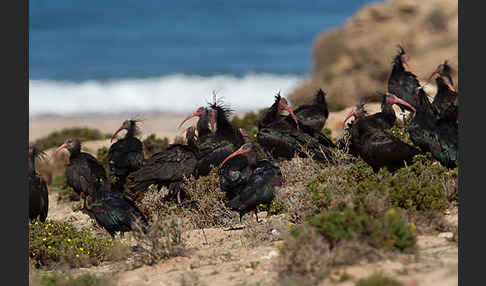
{"x":55,"y":243}
{"x":56,"y":138}
{"x":378,"y":279}
{"x":58,"y":279}
{"x":152,"y":145}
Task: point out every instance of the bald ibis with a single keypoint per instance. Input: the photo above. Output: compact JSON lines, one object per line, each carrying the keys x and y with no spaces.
{"x":113,"y":211}
{"x":446,"y":101}
{"x":83,"y":173}
{"x":404,"y":83}
{"x":38,"y":193}
{"x":125,"y":155}
{"x":224,"y":141}
{"x":314,"y":115}
{"x":166,"y":167}
{"x":248,"y":182}
{"x":345,"y":143}
{"x":377,"y":147}
{"x":284,"y":136}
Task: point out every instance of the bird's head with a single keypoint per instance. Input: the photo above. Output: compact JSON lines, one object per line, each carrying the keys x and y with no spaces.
{"x":245,"y":150}
{"x":443,"y":70}
{"x":358,"y":112}
{"x":71,"y":144}
{"x":320,"y":96}
{"x":284,"y":105}
{"x":200,"y":112}
{"x":402,"y":58}
{"x":129,"y":125}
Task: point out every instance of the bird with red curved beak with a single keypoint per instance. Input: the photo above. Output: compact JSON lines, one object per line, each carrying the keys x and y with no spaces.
{"x":358,"y":112}
{"x":83,"y":173}
{"x":200,"y":112}
{"x":128,"y":125}
{"x":245,"y":150}
{"x":443,"y":70}
{"x":393,"y":99}
{"x":248,"y":183}
{"x":284,"y":105}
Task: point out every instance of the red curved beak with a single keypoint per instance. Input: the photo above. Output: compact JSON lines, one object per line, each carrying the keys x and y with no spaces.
{"x":187,"y":118}
{"x":397,"y":99}
{"x":293,"y":116}
{"x":212,"y":119}
{"x":352,"y":113}
{"x":114,"y":134}
{"x":236,"y":153}
{"x":58,"y":149}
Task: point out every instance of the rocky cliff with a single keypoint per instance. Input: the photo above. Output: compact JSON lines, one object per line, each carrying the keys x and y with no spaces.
{"x":352,"y":62}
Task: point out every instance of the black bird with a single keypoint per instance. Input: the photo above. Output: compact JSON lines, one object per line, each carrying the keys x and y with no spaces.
{"x":350,"y":131}
{"x":314,"y":115}
{"x":284,"y":136}
{"x":125,"y":155}
{"x":377,"y":147}
{"x":218,"y":145}
{"x":166,"y":168}
{"x":426,"y":130}
{"x":83,"y":173}
{"x":38,"y":193}
{"x":202,"y":125}
{"x":247,"y":182}
{"x":404,"y":83}
{"x":114,"y":211}
{"x":386,"y":118}
{"x":446,"y":101}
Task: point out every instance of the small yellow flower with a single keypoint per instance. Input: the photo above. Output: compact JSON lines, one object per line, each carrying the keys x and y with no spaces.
{"x":290,"y":224}
{"x":88,"y":251}
{"x":44,"y":239}
{"x":36,"y":222}
{"x":412,"y":225}
{"x":68,"y":240}
{"x":401,"y":133}
{"x":391,"y":212}
{"x":49,"y":233}
{"x":49,"y":246}
{"x":81,"y":248}
{"x":77,"y":255}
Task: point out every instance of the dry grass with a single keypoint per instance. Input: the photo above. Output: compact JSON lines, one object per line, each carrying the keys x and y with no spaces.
{"x":205,"y":204}
{"x":162,"y":240}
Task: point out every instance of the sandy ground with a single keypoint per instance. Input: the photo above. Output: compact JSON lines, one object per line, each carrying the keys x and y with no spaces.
{"x":228,"y":259}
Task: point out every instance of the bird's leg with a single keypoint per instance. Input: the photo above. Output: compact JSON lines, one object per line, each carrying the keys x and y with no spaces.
{"x":84,"y":200}
{"x":179,"y":196}
{"x":256,"y":215}
{"x":241,"y":215}
{"x":122,"y":234}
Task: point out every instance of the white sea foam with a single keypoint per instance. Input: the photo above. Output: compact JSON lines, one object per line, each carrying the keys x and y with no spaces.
{"x":172,"y":93}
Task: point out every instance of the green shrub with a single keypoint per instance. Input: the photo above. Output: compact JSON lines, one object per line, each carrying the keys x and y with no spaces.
{"x":58,"y":183}
{"x":68,"y":280}
{"x":249,"y":121}
{"x":437,"y":19}
{"x":55,"y":242}
{"x":378,"y":279}
{"x":56,"y":138}
{"x":152,"y":145}
{"x":102,"y":157}
{"x":389,"y":231}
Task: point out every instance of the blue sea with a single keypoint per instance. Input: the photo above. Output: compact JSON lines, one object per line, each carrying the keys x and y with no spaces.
{"x":117,"y":56}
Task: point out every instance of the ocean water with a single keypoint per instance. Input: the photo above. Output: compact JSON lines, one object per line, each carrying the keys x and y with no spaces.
{"x":124,"y":55}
